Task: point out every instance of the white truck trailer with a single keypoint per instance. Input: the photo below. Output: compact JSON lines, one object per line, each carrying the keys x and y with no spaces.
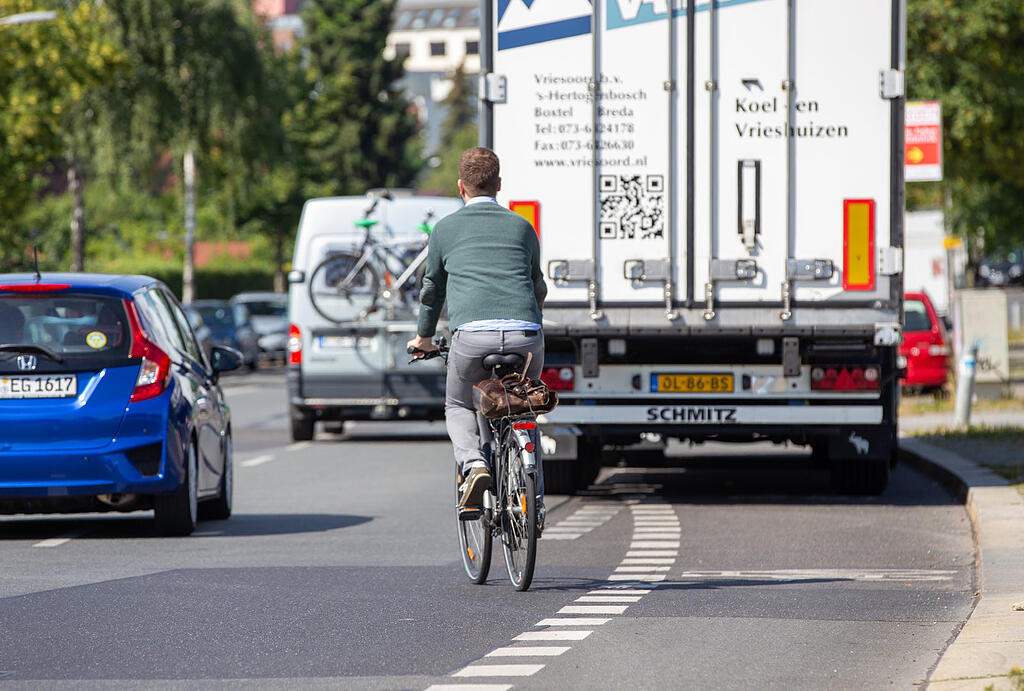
{"x":718,"y":190}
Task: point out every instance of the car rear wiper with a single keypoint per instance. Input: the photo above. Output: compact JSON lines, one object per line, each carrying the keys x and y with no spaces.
{"x":17,"y":348}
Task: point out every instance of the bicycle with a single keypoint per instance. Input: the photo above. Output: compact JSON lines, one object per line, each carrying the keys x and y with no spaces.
{"x":510,"y":504}
{"x":348,"y":281}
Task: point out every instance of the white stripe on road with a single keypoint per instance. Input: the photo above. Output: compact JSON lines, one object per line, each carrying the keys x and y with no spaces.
{"x":593,"y":609}
{"x":58,"y":541}
{"x":553,"y":635}
{"x":529,"y":651}
{"x":652,"y":553}
{"x":656,"y":536}
{"x":469,"y":687}
{"x":608,"y":599}
{"x":618,"y":590}
{"x":297,"y":446}
{"x":827,"y":574}
{"x":635,"y":577}
{"x":498,"y":671}
{"x":653,"y":544}
{"x":641,"y":569}
{"x":258,"y":460}
{"x":559,"y":536}
{"x":576,"y":621}
{"x":651,"y":561}
{"x":666,"y":528}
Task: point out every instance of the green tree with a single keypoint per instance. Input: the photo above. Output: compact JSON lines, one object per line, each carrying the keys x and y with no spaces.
{"x":353,"y":127}
{"x":970,"y":56}
{"x":458,"y":133}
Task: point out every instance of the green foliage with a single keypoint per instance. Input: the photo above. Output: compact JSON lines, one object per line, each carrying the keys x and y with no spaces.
{"x":970,"y":56}
{"x":458,"y":133}
{"x":354,"y":128}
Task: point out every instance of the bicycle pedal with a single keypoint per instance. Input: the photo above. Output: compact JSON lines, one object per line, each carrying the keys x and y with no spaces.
{"x":470,"y":514}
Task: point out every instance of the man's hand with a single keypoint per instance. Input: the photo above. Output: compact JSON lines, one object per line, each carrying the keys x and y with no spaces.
{"x":421,"y":343}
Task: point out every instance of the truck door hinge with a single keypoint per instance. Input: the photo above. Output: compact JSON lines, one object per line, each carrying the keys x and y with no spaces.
{"x":891,"y":83}
{"x":890,"y":261}
{"x":493,"y":87}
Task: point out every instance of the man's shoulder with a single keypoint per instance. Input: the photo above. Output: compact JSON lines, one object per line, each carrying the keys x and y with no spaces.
{"x":494,"y":212}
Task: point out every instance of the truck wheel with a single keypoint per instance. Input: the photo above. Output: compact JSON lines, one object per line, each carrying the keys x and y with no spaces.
{"x":860,"y":476}
{"x":302,"y":425}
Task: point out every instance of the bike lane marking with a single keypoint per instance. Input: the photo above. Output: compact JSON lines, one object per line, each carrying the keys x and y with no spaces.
{"x":58,"y":541}
{"x":258,"y":460}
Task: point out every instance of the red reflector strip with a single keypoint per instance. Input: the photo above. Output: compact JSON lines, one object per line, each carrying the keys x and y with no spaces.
{"x":35,"y":287}
{"x":524,"y":425}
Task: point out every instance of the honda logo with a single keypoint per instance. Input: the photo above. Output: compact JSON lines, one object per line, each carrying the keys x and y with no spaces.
{"x":27,"y":362}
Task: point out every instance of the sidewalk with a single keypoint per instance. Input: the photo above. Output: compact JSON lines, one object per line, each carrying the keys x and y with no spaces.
{"x":991,"y":643}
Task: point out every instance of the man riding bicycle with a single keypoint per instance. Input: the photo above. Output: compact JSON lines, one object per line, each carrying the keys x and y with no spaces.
{"x":485,"y":261}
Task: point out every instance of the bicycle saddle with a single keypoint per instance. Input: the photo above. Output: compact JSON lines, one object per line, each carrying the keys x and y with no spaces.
{"x":509,"y":360}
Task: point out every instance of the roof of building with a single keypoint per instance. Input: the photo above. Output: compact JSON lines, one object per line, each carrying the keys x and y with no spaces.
{"x":416,"y":15}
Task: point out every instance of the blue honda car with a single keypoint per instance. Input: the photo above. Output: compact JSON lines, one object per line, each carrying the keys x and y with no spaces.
{"x":107,"y":403}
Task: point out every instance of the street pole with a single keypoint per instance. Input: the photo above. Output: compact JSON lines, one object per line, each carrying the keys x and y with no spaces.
{"x":188,"y":273}
{"x":965,"y":385}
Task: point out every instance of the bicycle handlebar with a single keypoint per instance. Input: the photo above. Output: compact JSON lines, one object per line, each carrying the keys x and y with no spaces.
{"x":418,"y":354}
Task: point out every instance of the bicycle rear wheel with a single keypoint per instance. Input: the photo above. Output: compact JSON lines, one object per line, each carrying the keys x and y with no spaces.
{"x":475,"y":542}
{"x":340,"y":291}
{"x":518,"y":517}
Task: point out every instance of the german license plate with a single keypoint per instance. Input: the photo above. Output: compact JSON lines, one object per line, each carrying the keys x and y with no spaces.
{"x":691,"y":383}
{"x":39,"y":386}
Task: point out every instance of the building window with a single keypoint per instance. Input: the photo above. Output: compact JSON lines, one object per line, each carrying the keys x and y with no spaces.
{"x":472,"y":47}
{"x":437,"y":48}
{"x":402,"y":50}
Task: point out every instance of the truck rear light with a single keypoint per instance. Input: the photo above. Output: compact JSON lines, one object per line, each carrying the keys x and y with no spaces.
{"x":558,"y":378}
{"x":840,"y":378}
{"x":858,"y":244}
{"x":294,"y":345}
{"x":155,"y":370}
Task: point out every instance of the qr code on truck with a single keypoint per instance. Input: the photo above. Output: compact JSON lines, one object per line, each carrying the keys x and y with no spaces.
{"x":632,"y":206}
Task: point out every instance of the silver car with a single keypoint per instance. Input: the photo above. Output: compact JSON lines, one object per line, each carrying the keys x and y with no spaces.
{"x":268,"y":314}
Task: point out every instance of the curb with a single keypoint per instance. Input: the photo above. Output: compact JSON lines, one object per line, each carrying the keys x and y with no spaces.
{"x":991,"y":642}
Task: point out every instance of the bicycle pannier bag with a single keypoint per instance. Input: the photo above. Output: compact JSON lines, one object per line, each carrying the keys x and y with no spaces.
{"x":513,"y":394}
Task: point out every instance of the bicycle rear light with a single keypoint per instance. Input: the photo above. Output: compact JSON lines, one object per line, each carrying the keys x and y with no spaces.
{"x":524,"y":425}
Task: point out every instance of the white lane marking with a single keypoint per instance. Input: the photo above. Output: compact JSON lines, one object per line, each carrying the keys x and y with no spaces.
{"x":656,"y":527}
{"x":561,"y":528}
{"x":241,"y":390}
{"x":618,"y":590}
{"x":559,"y":536}
{"x":827,"y":574}
{"x":651,"y":560}
{"x":652,"y":553}
{"x":575,"y":621}
{"x":641,"y":569}
{"x":529,"y":651}
{"x":656,"y":536}
{"x":553,"y":635}
{"x":58,"y":541}
{"x":636,"y":577}
{"x":581,"y":522}
{"x":297,"y":446}
{"x":654,"y":544}
{"x":593,"y":609}
{"x":660,"y":510}
{"x":258,"y":460}
{"x":609,"y":599}
{"x":469,"y":687}
{"x":498,"y":671}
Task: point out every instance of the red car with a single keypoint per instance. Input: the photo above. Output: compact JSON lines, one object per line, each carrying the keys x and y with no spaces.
{"x":926,"y":345}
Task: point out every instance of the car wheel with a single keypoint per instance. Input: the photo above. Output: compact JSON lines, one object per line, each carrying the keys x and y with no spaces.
{"x":219,"y":509}
{"x":176,"y":513}
{"x":302,"y":425}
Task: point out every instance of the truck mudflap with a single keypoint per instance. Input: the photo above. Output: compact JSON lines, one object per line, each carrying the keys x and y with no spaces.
{"x":714,"y":414}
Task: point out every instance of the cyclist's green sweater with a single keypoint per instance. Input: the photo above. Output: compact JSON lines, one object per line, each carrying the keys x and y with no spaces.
{"x":485,"y":261}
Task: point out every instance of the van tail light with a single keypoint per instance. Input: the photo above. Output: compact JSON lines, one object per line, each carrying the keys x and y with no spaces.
{"x":560,"y":378}
{"x":842,"y":378}
{"x":155,"y":371}
{"x":294,"y":345}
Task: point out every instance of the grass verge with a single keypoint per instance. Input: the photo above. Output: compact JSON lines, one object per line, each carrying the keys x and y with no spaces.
{"x":995,"y":448}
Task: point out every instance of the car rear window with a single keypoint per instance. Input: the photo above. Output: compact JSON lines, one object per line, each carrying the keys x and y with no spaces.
{"x":916,"y":316}
{"x":266,"y":308}
{"x":84,"y":331}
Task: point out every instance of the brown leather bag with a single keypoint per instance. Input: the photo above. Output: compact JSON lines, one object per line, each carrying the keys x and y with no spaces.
{"x":513,"y":394}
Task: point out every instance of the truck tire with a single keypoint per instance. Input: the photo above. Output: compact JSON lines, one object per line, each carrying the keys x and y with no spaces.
{"x":866,"y":476}
{"x":302,"y":425}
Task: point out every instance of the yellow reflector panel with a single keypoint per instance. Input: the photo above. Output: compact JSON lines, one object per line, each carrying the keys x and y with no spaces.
{"x":859,"y":244}
{"x":530,"y":211}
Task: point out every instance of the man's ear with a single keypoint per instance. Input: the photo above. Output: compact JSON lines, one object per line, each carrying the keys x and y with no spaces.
{"x":462,"y":188}
{"x":499,"y":185}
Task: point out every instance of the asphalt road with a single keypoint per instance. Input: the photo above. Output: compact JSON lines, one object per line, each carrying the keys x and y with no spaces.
{"x":340,"y":569}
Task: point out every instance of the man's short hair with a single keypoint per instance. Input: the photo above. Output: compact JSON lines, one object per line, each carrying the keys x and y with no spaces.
{"x":479,"y":171}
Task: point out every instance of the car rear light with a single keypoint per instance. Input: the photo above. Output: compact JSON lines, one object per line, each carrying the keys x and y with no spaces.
{"x":938,"y":350}
{"x":840,"y":378}
{"x":155,"y":370}
{"x":35,"y":287}
{"x":560,"y":378}
{"x":294,"y":345}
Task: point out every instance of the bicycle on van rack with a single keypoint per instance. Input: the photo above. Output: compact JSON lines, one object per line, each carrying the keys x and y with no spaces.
{"x":349,"y":285}
{"x":510,"y":504}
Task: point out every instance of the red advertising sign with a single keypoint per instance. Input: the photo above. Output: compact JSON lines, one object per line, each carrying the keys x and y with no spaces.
{"x":923,"y":141}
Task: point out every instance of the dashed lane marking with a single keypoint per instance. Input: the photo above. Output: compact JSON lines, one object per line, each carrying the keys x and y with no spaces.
{"x":529,"y":651}
{"x":608,"y":599}
{"x":498,"y":671}
{"x":618,"y":590}
{"x":258,"y":460}
{"x":797,"y":575}
{"x":57,"y":541}
{"x":650,"y":561}
{"x":630,"y":577}
{"x":297,"y":446}
{"x":554,"y":635}
{"x":574,"y":621}
{"x":651,"y":553}
{"x":653,"y":544}
{"x":593,"y":609}
{"x":581,"y":521}
{"x":641,"y":569}
{"x":469,"y":687}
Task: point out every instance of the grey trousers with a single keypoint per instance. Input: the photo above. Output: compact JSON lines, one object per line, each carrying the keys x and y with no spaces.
{"x":467,"y":429}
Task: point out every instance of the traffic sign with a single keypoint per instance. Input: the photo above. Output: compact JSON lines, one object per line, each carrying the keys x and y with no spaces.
{"x":923,"y":141}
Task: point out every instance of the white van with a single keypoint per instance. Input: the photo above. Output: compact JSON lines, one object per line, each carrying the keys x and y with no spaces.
{"x":352,"y":307}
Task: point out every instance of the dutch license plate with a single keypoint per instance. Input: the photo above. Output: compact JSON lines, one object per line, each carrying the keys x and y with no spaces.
{"x":691,"y":383}
{"x":39,"y":386}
